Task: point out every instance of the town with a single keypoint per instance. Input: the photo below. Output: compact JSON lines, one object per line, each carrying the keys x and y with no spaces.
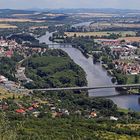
{"x":69,"y":48}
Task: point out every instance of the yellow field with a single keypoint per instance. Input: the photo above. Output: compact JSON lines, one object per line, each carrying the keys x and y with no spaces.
{"x":18,"y":20}
{"x":131,"y":39}
{"x":4,"y":26}
{"x":4,"y":94}
{"x":71,"y":34}
{"x":130,"y":126}
{"x":99,"y":34}
{"x":114,"y":136}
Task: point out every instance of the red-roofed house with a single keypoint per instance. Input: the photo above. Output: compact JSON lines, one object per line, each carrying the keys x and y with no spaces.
{"x":30,"y":108}
{"x":20,"y":111}
{"x":9,"y":53}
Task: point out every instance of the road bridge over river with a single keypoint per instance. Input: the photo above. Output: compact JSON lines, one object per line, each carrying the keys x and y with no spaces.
{"x":61,"y":45}
{"x":88,"y":88}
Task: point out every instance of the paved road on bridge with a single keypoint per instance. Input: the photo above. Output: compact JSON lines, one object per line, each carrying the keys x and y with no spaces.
{"x":61,"y":45}
{"x":89,"y":88}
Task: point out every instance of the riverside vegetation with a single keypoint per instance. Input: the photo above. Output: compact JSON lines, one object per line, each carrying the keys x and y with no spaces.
{"x":48,"y":71}
{"x":72,"y":126}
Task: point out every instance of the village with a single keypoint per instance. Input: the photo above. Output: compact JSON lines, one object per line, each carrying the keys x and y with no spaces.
{"x":37,"y":106}
{"x":29,"y":105}
{"x":7,"y":49}
{"x":125,"y":54}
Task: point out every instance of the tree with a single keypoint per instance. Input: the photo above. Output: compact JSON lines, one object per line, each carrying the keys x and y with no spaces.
{"x":123,"y":41}
{"x":96,"y":57}
{"x":111,"y":65}
{"x":108,"y":50}
{"x":105,"y":59}
{"x":121,"y":79}
{"x":136,"y":79}
{"x":113,"y":80}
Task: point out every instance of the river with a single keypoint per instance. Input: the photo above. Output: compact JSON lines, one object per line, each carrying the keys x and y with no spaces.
{"x":97,"y":76}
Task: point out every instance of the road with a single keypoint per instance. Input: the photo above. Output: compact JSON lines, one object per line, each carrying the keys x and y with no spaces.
{"x":89,"y":88}
{"x":20,"y":75}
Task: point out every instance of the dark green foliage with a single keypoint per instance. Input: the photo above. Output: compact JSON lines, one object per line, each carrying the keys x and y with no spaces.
{"x":96,"y":57}
{"x":23,"y":37}
{"x":7,"y":68}
{"x":85,"y":44}
{"x":54,"y":69}
{"x":114,"y":36}
{"x":121,"y":79}
{"x":136,"y":80}
{"x":17,"y":57}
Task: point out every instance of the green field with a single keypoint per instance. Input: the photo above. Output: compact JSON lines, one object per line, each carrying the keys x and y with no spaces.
{"x":99,"y":34}
{"x":131,"y":79}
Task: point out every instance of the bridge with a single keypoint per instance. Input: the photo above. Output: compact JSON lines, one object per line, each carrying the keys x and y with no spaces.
{"x":61,"y":45}
{"x":88,"y":88}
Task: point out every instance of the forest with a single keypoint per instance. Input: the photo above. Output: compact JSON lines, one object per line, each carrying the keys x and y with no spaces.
{"x":54,"y":69}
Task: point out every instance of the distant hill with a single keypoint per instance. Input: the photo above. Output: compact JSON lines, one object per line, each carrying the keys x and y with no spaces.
{"x":85,"y":10}
{"x":8,"y":12}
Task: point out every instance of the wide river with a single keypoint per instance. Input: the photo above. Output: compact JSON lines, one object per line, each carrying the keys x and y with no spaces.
{"x":97,"y":76}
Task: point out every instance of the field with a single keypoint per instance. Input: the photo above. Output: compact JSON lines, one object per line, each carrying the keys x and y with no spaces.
{"x":134,"y":127}
{"x":85,"y":15}
{"x":131,"y":39}
{"x":4,"y":94}
{"x":123,"y":110}
{"x":4,"y":26}
{"x":131,"y":79}
{"x":99,"y":34}
{"x":18,"y":20}
{"x":113,"y":25}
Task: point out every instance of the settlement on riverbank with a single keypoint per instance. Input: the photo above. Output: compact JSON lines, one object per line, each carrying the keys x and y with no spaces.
{"x":96,"y":76}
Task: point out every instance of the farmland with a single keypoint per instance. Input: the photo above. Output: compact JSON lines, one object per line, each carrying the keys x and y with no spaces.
{"x":18,"y":20}
{"x":114,"y":25}
{"x":4,"y":94}
{"x":99,"y":34}
{"x":96,"y":14}
{"x":130,"y":39}
{"x":4,"y":26}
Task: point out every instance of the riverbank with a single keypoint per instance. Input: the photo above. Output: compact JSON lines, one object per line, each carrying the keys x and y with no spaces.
{"x":129,"y":91}
{"x":97,"y":76}
{"x":54,"y":69}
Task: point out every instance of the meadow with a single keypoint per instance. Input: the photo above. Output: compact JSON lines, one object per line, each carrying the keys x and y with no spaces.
{"x":99,"y":34}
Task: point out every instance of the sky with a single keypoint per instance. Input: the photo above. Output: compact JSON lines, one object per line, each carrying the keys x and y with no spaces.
{"x":55,"y":4}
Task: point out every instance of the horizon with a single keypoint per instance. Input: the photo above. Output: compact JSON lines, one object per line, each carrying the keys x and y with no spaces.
{"x":64,"y":4}
{"x":41,"y":9}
